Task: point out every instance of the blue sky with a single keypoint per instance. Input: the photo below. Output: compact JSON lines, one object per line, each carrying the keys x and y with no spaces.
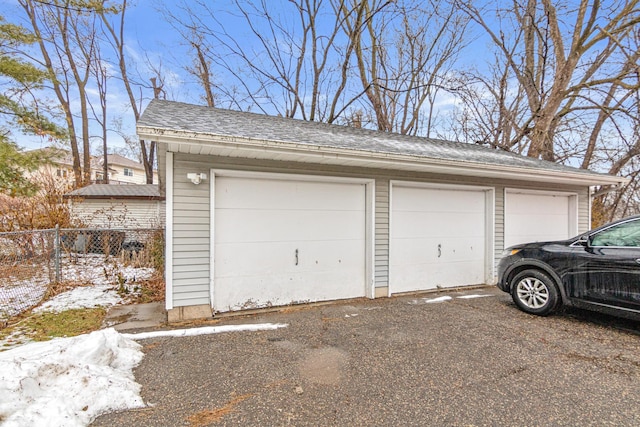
{"x":151,"y":39}
{"x":147,"y":34}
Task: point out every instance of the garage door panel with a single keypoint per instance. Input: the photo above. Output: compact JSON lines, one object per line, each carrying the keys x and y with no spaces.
{"x":278,"y":241}
{"x":449,"y":274}
{"x":435,"y":224}
{"x":412,"y":199}
{"x":248,"y":193}
{"x":531,"y":217}
{"x":270,"y":258}
{"x":260,"y":225}
{"x":437,"y":238}
{"x":539,"y":203}
{"x":248,"y":292}
{"x":418,"y":251}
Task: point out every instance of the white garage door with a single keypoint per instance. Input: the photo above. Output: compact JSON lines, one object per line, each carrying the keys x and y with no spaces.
{"x":437,"y":238}
{"x":282,"y":241}
{"x":538,"y":217}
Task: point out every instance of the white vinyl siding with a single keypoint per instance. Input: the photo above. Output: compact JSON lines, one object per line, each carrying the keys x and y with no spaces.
{"x":498,"y":226}
{"x":106,"y":213}
{"x":382,"y":234}
{"x":584,"y":210}
{"x":191,"y":244}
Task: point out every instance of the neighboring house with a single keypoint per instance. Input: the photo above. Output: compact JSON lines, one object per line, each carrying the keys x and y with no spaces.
{"x":117,"y":206}
{"x":121,"y":170}
{"x":59,"y":169}
{"x":268,"y":211}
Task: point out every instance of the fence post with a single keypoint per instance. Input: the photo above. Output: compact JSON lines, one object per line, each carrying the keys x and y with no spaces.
{"x":57,"y":253}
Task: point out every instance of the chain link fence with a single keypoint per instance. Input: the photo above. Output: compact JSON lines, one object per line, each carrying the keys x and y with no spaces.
{"x":32,"y":263}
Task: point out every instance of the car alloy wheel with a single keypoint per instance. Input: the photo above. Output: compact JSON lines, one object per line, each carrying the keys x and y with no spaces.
{"x":534,"y":292}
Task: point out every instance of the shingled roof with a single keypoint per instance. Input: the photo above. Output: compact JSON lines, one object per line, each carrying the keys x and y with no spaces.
{"x":110,"y":191}
{"x":224,"y":131}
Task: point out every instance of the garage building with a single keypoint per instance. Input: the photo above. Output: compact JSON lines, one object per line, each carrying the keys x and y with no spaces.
{"x":269,"y":211}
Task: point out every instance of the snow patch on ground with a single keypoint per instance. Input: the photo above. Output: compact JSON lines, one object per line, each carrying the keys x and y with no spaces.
{"x":430,"y":300}
{"x":473,"y":296}
{"x":107,"y":274}
{"x":69,"y":381}
{"x":206,"y":330}
{"x":444,"y":298}
{"x":82,"y":297}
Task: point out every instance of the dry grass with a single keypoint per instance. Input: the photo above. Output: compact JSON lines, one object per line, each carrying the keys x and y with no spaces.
{"x":152,"y":289}
{"x":15,"y":269}
{"x":45,"y":326}
{"x":207,"y":417}
{"x":60,"y":287}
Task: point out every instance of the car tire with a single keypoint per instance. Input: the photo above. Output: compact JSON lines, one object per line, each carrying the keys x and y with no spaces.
{"x":534,"y":292}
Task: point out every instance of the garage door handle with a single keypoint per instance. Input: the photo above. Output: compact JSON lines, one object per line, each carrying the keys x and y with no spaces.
{"x":439,"y":250}
{"x":296,"y":257}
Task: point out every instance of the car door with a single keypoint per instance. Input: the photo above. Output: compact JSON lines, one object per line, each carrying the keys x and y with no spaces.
{"x":608,"y":270}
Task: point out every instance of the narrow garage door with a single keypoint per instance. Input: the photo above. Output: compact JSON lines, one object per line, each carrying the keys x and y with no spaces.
{"x":283,"y":241}
{"x":538,"y":217}
{"x":438,"y":238}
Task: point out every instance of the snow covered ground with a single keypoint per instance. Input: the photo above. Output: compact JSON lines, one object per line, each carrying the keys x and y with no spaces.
{"x":105,"y":277}
{"x":71,"y":381}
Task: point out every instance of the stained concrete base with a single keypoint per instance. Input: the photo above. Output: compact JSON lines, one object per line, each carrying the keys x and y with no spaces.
{"x":135,"y":316}
{"x":190,"y":312}
{"x":381,"y":292}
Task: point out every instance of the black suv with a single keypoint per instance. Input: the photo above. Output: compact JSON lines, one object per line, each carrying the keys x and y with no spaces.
{"x":598,"y":270}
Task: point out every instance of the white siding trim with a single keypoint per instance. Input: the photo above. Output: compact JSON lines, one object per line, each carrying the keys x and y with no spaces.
{"x":589,"y":205}
{"x":212,"y":241}
{"x":381,"y":229}
{"x":168,"y":256}
{"x":287,"y":176}
{"x":370,"y":237}
{"x":490,"y":236}
{"x":389,"y":238}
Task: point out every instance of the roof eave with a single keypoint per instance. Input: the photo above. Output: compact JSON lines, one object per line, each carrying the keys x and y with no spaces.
{"x":249,"y":147}
{"x":110,"y":197}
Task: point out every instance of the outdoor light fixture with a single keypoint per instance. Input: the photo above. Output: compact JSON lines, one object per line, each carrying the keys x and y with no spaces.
{"x":196,"y":178}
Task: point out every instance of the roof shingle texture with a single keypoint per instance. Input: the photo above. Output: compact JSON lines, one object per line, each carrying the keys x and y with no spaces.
{"x":177,"y":116}
{"x":116,"y":191}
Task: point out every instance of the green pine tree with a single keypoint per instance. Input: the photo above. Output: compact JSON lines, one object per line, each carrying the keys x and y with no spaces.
{"x":19,"y":79}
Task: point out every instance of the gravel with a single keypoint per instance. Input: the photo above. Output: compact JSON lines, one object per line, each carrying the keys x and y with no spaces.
{"x":396,"y":361}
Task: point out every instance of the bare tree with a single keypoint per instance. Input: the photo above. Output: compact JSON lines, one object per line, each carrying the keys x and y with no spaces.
{"x":558,"y":56}
{"x":373,"y":63}
{"x":562,"y":86}
{"x":404,"y":51}
{"x":491,"y":110}
{"x":115,"y":33}
{"x":296,"y":61}
{"x":101,"y":76}
{"x":72,"y":36}
{"x":66,"y":35}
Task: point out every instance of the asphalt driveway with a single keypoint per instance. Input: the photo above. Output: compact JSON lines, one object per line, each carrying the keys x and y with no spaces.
{"x":406,"y":361}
